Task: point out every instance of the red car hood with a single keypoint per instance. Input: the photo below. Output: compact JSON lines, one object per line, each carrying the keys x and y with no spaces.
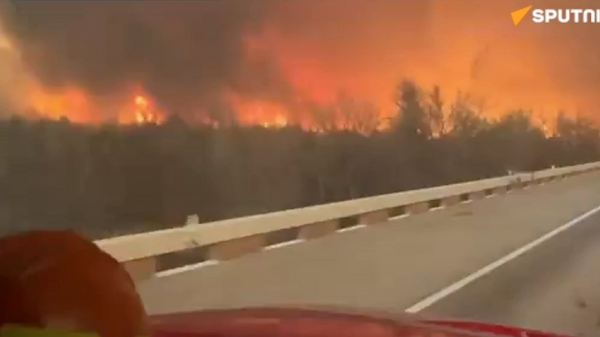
{"x":302,"y":322}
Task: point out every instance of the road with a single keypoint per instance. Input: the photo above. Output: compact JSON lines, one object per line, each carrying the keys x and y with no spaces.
{"x":394,"y":265}
{"x":555,"y":286}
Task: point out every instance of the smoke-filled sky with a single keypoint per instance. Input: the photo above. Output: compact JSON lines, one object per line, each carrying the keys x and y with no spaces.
{"x":194,"y":55}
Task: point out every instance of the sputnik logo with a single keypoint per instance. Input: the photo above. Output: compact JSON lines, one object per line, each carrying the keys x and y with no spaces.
{"x":519,"y":14}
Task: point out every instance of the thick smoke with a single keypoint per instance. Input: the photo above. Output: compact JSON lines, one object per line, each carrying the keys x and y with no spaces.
{"x":182,"y":53}
{"x":185,"y":54}
{"x":194,"y":54}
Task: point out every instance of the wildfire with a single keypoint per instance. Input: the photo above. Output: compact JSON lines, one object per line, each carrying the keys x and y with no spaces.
{"x":456,"y":45}
{"x":144,"y":113}
{"x":80,"y":107}
{"x":279,"y":121}
{"x":140,"y":109}
{"x":265,"y":114}
{"x":71,"y":102}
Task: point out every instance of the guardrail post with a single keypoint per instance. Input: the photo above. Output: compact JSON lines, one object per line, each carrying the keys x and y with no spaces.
{"x":419,"y":207}
{"x":517,"y":184}
{"x":500,"y":190}
{"x":374,"y":217}
{"x":477,"y":195}
{"x":451,"y":201}
{"x":231,"y":249}
{"x":141,"y":269}
{"x":193,"y":219}
{"x":317,"y":230}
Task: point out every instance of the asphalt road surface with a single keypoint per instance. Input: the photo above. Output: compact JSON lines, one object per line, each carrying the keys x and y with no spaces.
{"x":394,"y":265}
{"x":554,"y":286}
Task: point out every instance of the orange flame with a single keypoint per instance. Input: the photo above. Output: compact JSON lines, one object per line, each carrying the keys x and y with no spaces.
{"x":144,"y":114}
{"x":70,"y":102}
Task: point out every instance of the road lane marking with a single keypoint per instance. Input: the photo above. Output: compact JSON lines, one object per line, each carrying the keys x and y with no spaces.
{"x":398,"y":217}
{"x":183,"y":269}
{"x":284,"y":244}
{"x":456,"y":286}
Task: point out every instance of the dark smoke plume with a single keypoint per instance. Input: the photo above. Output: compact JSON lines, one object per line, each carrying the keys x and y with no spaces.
{"x":183,"y":53}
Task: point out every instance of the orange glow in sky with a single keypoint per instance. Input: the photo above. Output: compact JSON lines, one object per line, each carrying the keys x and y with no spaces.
{"x":365,"y":47}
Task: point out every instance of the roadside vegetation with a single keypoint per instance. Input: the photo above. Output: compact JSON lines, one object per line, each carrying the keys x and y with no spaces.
{"x":110,"y":179}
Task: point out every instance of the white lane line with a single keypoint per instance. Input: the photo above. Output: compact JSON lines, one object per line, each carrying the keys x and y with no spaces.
{"x":184,"y":269}
{"x":350,"y":229}
{"x":203,"y":264}
{"x":398,"y":217}
{"x":449,"y":290}
{"x":283,"y":244}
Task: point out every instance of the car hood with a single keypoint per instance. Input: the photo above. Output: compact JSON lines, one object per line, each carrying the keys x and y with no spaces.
{"x":322,"y":322}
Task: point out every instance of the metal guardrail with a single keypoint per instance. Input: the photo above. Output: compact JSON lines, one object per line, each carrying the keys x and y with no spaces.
{"x":228,"y":239}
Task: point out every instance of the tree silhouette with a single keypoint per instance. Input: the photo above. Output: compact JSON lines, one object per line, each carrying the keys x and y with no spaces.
{"x":114,"y":179}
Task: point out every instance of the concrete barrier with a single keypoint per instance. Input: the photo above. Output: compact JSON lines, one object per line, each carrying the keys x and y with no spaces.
{"x":228,"y":239}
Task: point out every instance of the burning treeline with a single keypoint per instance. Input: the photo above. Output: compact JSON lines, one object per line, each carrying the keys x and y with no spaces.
{"x":283,"y":62}
{"x":111,"y":179}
